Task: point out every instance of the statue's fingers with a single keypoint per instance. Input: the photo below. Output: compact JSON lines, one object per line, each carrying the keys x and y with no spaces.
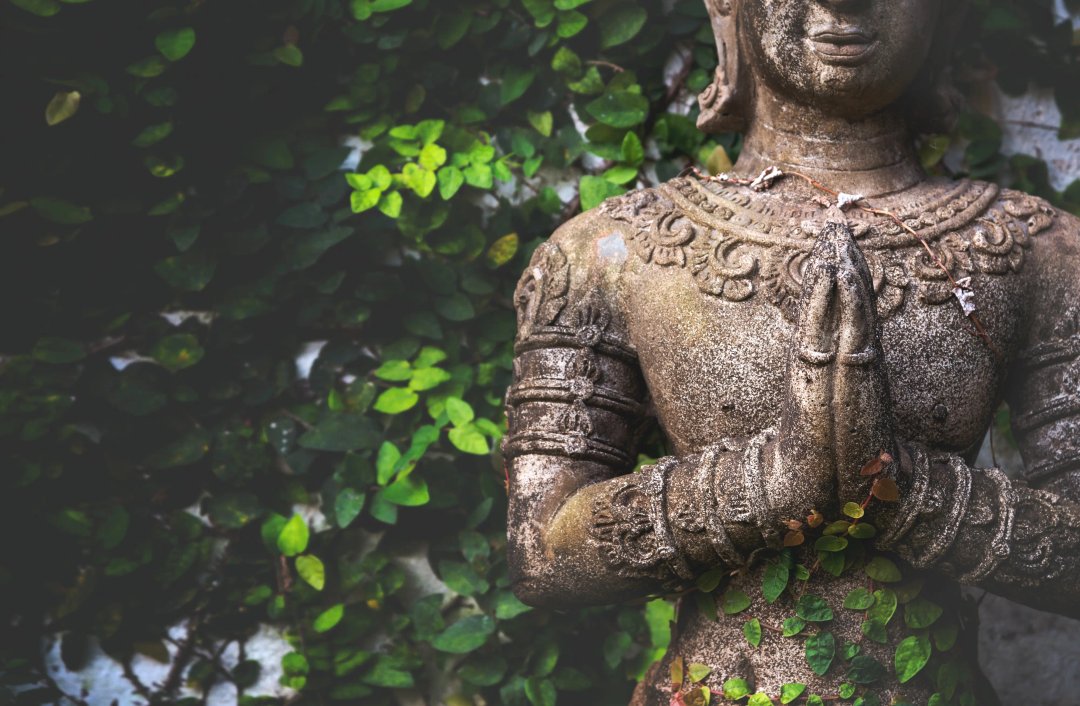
{"x":805,"y":442}
{"x":861,"y":406}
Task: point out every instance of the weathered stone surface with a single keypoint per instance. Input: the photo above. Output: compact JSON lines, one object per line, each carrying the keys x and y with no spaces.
{"x":824,"y":306}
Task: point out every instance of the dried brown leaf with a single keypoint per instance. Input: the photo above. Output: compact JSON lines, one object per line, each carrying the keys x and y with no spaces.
{"x":885,"y":489}
{"x":794,"y":538}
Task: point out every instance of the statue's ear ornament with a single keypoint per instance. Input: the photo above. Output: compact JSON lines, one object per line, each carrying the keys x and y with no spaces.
{"x":721,"y":103}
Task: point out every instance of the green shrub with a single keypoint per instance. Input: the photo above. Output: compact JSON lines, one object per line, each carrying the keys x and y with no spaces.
{"x":176,"y":230}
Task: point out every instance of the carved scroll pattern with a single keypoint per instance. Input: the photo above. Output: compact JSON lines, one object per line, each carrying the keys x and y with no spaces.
{"x":735,"y":245}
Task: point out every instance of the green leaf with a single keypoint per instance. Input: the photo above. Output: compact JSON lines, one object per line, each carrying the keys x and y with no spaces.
{"x":734,"y":601}
{"x":543,"y":11}
{"x":41,"y":8}
{"x":62,"y":106}
{"x":58,"y":350}
{"x":831,"y":544}
{"x":633,"y":152}
{"x":386,"y":462}
{"x":752,"y":632}
{"x":450,"y":180}
{"x":790,"y":692}
{"x":622,"y":25}
{"x":774,"y":581}
{"x":698,"y":672}
{"x":760,"y":699}
{"x":293,"y":538}
{"x":508,"y":607}
{"x":459,"y":411}
{"x":813,"y":609}
{"x":311,"y":569}
{"x":503,"y":250}
{"x":148,"y":67}
{"x":853,"y":510}
{"x":190,"y":271}
{"x":540,"y":691}
{"x":396,"y":400}
{"x":59,"y":211}
{"x":174,"y":44}
{"x":178,"y":351}
{"x":859,"y":599}
{"x":847,"y":690}
{"x":619,"y":109}
{"x":341,"y":432}
{"x":394,"y":371}
{"x":421,"y":181}
{"x":153,"y":134}
{"x":347,"y":506}
{"x":793,"y":626}
{"x":875,"y":630}
{"x":884,"y":607}
{"x":428,"y":378}
{"x":408,"y":492}
{"x":469,"y":439}
{"x":621,"y":175}
{"x":329,"y":618}
{"x":541,"y":122}
{"x":911,"y":656}
{"x":735,"y":689}
{"x":820,"y":651}
{"x":388,"y":673}
{"x":465,"y":635}
{"x":921,"y":613}
{"x":595,"y":190}
{"x":945,"y":635}
{"x":864,"y":669}
{"x":303,"y":216}
{"x":862,"y":530}
{"x":515,"y":81}
{"x":881,"y":569}
{"x":290,"y":55}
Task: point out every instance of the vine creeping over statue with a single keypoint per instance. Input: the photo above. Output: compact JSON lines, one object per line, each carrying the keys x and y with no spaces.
{"x":786,"y":335}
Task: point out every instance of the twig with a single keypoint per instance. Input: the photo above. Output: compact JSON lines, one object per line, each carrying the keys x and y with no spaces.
{"x":606,"y":64}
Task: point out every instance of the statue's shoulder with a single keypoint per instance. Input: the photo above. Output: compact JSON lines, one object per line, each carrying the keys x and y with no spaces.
{"x":1053,"y":234}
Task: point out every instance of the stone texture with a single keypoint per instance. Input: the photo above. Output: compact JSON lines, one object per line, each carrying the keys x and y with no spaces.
{"x":824,"y":306}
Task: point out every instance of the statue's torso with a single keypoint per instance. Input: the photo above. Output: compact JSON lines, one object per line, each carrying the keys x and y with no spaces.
{"x":707,"y":282}
{"x":709,"y":287}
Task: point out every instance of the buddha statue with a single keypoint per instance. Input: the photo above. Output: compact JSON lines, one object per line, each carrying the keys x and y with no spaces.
{"x":823,"y":338}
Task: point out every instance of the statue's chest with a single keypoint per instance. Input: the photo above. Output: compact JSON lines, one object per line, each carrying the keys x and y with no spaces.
{"x":710,"y":288}
{"x":716,"y":367}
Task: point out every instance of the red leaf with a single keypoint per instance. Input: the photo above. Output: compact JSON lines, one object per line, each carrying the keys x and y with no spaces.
{"x":815,"y":519}
{"x":877,"y":464}
{"x":794,"y":538}
{"x":794,"y":525}
{"x":886,"y":489}
{"x":676,"y":678}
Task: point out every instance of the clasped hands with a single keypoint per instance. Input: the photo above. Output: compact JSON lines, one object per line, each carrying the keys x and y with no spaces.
{"x":837,"y":413}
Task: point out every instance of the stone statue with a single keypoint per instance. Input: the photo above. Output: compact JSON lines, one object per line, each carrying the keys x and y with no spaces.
{"x":827,"y":326}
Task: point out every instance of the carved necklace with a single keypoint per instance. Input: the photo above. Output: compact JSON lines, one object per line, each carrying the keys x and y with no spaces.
{"x":737,"y":242}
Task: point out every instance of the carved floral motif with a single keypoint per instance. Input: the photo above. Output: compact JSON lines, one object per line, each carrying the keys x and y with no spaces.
{"x":735,"y":245}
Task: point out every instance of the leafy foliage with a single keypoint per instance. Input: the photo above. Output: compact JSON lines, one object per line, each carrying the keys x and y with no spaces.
{"x":243,"y":385}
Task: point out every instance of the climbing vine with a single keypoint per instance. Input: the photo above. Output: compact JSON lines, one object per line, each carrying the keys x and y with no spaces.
{"x":257,"y":265}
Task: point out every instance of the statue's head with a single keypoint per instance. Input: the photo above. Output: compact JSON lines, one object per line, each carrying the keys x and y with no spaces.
{"x":847,"y":58}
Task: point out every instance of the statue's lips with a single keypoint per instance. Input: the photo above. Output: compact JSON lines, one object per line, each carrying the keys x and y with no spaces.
{"x":846,"y":47}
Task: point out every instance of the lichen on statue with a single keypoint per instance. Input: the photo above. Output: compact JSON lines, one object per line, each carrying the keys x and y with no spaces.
{"x":823,"y":351}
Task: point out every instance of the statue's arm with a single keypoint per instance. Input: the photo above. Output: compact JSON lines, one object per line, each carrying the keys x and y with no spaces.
{"x":582,"y":527}
{"x":1019,"y":539}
